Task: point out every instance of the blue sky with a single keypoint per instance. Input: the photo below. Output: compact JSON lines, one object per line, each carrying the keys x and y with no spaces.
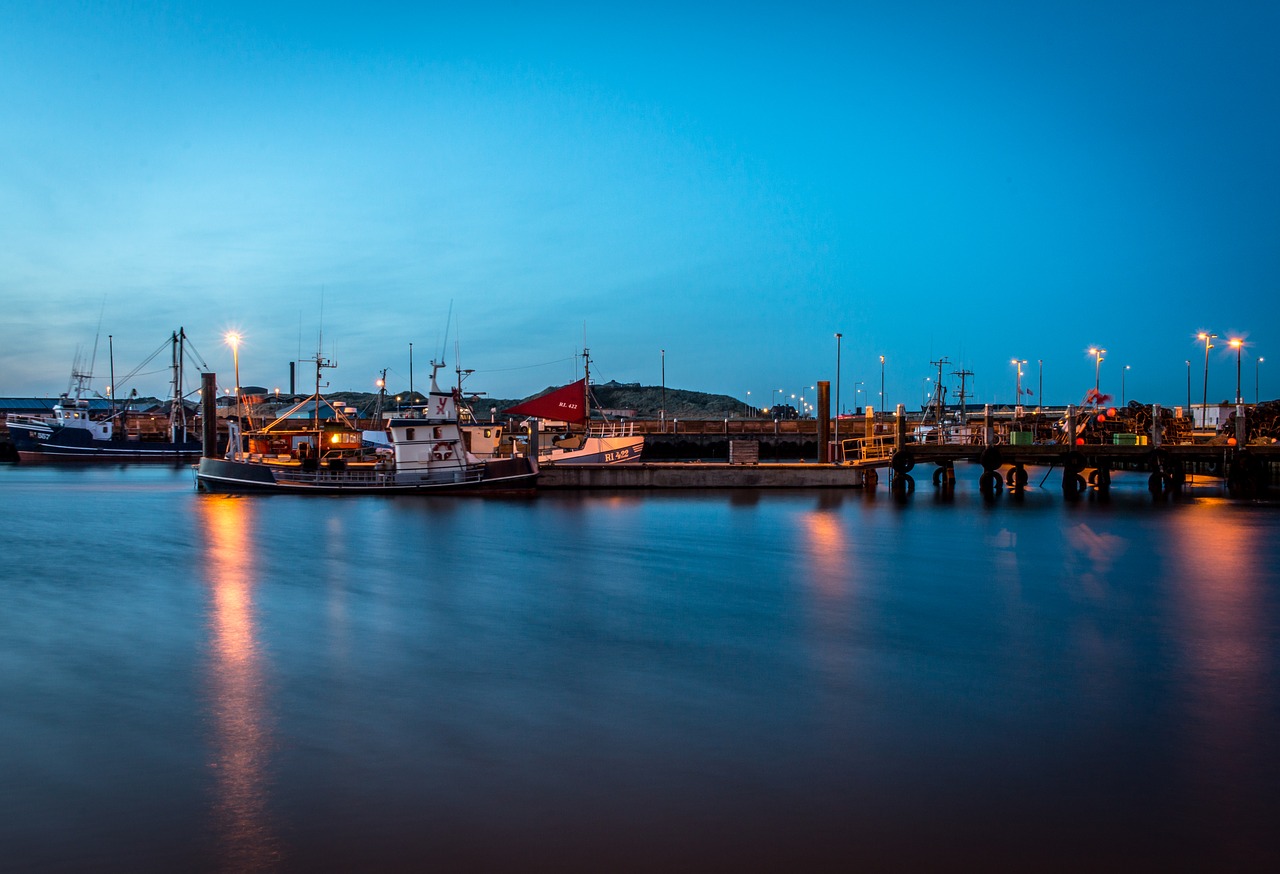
{"x":980,"y":181}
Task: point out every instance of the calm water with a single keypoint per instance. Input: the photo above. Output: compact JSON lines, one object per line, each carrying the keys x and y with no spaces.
{"x":657,"y":682}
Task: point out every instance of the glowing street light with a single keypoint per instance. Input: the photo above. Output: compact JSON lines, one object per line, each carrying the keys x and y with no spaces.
{"x":1256,"y":365}
{"x":1122,"y":375}
{"x":1237,"y":344}
{"x":1017,"y":391}
{"x":1097,"y":371}
{"x":233,"y":340}
{"x":1204,"y":401}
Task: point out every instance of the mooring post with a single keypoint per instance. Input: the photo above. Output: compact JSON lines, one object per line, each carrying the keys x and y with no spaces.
{"x":1156,"y":430}
{"x":209,"y":415}
{"x":1242,"y":432}
{"x":900,"y":427}
{"x":1071,"y":424}
{"x":871,"y":422}
{"x":988,"y":429}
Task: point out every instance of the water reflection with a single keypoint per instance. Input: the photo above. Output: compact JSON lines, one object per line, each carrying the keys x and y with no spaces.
{"x":237,"y":699}
{"x":1221,"y":625}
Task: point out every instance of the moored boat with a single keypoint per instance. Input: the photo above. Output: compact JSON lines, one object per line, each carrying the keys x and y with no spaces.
{"x":71,"y":434}
{"x":602,"y":442}
{"x":425,"y":454}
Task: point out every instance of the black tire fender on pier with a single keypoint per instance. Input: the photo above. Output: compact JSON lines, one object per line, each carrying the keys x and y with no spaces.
{"x":903,"y":461}
{"x":991,"y":458}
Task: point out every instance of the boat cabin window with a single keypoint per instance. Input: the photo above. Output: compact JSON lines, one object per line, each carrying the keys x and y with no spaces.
{"x":408,"y":433}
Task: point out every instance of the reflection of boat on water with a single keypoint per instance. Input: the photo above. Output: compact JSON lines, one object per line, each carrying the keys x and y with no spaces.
{"x":604,"y":442}
{"x":425,"y":453}
{"x":71,"y":434}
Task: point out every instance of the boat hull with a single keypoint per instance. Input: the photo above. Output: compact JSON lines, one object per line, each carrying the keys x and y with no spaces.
{"x":45,"y":444}
{"x":508,"y":476}
{"x":599,"y":450}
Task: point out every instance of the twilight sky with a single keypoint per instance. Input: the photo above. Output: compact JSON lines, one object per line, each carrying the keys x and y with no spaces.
{"x":733,"y":184}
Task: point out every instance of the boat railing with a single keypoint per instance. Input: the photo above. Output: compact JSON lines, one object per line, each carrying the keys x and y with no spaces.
{"x":867,"y":448}
{"x":373,"y":477}
{"x":612,"y":428}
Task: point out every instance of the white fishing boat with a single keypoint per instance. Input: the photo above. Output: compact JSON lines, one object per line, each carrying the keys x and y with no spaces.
{"x":424,"y":453}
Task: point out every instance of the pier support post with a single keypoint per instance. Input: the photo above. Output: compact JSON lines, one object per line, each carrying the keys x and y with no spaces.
{"x":1242,"y":430}
{"x":900,"y":427}
{"x":825,"y":453}
{"x":988,"y":429}
{"x":871,"y":422}
{"x":1156,"y":430}
{"x":1071,"y":425}
{"x":209,"y":415}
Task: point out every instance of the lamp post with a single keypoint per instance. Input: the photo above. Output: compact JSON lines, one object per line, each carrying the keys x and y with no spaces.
{"x":233,"y":340}
{"x":1189,"y":411}
{"x":1097,"y":371}
{"x":1122,"y":375}
{"x":1017,"y":389}
{"x":748,"y":403}
{"x":882,"y":385}
{"x":662,"y":419}
{"x":1040,"y":397}
{"x":837,"y":428}
{"x":1237,"y":344}
{"x":1204,"y":401}
{"x":1256,"y":365}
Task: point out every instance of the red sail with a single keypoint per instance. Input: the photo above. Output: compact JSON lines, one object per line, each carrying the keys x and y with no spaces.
{"x":568,"y":404}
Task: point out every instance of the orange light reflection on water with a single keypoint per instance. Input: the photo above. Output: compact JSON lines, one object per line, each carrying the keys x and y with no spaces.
{"x":1218,"y":620}
{"x":241,"y":740}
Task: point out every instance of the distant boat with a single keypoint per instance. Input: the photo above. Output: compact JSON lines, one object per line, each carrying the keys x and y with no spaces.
{"x":605,"y":442}
{"x":425,"y":454}
{"x":70,"y":434}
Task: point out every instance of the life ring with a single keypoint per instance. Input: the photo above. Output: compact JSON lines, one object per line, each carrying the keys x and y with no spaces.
{"x":442,"y":452}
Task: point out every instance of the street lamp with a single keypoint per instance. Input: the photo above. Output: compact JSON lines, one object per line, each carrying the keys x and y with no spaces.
{"x":1017,"y":391}
{"x":1122,"y":375}
{"x":837,"y":428}
{"x":1097,"y":370}
{"x":1040,"y":397}
{"x":1204,"y":401}
{"x":1237,"y":344}
{"x":1256,"y":365}
{"x":882,"y":385}
{"x":748,"y":403}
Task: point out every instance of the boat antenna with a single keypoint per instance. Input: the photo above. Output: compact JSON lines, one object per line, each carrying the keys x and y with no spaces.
{"x":444,"y":349}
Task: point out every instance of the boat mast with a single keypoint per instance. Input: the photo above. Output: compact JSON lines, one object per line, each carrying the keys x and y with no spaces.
{"x":111,"y":358}
{"x":321,"y":363}
{"x":586,"y":385}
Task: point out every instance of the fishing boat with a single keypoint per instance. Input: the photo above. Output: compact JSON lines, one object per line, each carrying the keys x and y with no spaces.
{"x":71,"y":434}
{"x":424,"y":453}
{"x":607,"y":441}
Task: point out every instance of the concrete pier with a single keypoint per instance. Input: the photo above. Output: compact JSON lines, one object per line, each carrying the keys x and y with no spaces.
{"x":703,"y":475}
